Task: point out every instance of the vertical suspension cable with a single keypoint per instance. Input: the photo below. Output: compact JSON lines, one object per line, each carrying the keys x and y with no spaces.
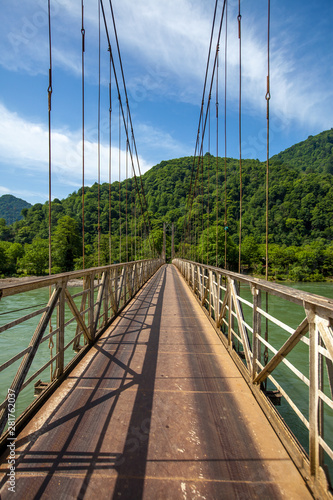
{"x":217,"y":154}
{"x":225,"y":137}
{"x":83,"y":51}
{"x":208,"y":180}
{"x":110,"y":172}
{"x":239,"y":18}
{"x":49,"y":98}
{"x":99,"y":140}
{"x":267,"y":97}
{"x":126,"y":187}
{"x":119,"y":151}
{"x":49,"y":95}
{"x":202,"y":208}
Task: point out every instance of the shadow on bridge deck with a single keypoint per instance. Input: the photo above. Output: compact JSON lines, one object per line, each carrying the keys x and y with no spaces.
{"x":156,"y":410}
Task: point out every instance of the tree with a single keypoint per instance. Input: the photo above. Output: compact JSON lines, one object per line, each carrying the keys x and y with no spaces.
{"x":66,"y":243}
{"x":36,"y":258}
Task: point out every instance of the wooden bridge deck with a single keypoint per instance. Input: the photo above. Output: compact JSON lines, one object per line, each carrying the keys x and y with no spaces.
{"x":156,"y":410}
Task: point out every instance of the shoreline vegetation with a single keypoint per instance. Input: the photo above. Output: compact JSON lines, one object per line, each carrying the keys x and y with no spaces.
{"x":300,"y":218}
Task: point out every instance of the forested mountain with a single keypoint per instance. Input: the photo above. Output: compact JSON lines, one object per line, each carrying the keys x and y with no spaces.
{"x":11,"y":208}
{"x":300,"y":216}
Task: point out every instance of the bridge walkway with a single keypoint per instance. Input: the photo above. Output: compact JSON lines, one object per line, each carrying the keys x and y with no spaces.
{"x":155,"y":410}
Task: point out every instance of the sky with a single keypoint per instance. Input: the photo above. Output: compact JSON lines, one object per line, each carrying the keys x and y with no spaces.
{"x":164,"y":47}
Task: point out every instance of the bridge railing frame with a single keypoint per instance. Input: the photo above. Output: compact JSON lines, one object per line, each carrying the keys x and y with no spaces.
{"x":217,"y":291}
{"x":105,"y":292}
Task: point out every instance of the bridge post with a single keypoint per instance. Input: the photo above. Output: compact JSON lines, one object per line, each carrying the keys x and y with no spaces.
{"x":313,"y":395}
{"x":172,"y":241}
{"x":164,"y":243}
{"x":60,"y":338}
{"x":256,"y":330}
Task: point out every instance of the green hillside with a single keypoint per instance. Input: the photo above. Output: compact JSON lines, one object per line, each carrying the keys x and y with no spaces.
{"x":11,"y":208}
{"x":300,"y":216}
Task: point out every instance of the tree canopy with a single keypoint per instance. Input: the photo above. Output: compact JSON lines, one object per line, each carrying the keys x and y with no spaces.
{"x":300,"y":215}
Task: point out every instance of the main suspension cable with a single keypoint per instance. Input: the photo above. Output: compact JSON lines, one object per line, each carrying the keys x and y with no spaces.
{"x":131,"y":125}
{"x":140,"y":192}
{"x":203,"y":122}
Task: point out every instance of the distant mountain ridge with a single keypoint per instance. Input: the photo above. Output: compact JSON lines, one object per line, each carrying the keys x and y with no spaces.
{"x":11,"y":208}
{"x":315,"y":154}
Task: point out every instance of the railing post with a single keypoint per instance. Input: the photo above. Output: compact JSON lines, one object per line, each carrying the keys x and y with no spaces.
{"x":256,"y":329}
{"x":91,"y":306}
{"x":210,"y":285}
{"x":230,"y":316}
{"x":313,"y":394}
{"x":218,"y":304}
{"x":106,"y":296}
{"x":60,"y":338}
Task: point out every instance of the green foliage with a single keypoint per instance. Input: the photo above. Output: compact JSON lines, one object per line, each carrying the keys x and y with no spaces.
{"x":300,"y":215}
{"x":11,"y":208}
{"x":10,"y":253}
{"x":66,"y":243}
{"x":36,"y":258}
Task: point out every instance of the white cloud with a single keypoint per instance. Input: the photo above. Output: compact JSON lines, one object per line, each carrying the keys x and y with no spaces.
{"x":164,"y":47}
{"x":28,"y":150}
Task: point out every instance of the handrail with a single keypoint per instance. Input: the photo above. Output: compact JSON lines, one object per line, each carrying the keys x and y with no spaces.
{"x":100,"y":303}
{"x":218,"y":291}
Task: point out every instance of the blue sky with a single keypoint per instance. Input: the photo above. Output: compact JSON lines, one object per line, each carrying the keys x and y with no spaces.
{"x":164,"y":45}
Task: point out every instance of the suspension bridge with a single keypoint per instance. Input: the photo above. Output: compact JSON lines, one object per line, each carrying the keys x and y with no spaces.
{"x":166,"y":380}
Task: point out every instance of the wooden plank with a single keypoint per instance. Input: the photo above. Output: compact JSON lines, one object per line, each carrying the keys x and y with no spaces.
{"x":283,"y":351}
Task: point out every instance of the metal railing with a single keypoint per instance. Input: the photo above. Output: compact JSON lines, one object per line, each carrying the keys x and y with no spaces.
{"x":104,"y":291}
{"x":237,"y":306}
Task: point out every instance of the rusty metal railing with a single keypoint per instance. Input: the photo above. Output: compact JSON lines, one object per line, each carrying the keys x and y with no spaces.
{"x":241,"y":322}
{"x":103,"y":292}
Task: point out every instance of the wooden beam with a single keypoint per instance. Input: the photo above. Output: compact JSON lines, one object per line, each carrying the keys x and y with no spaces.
{"x":283,"y":351}
{"x":327,"y":335}
{"x":239,"y":314}
{"x":77,"y":315}
{"x":314,"y":393}
{"x":223,"y":307}
{"x":98,"y":304}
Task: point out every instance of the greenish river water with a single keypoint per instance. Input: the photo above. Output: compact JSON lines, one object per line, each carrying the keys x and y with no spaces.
{"x":16,"y":339}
